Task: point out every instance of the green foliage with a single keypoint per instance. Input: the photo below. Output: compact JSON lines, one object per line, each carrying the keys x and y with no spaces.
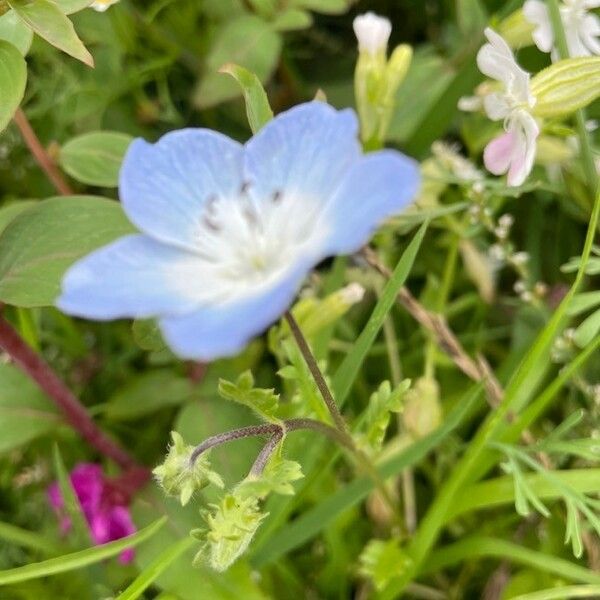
{"x":95,"y":158}
{"x":265,"y":403}
{"x":13,"y":76}
{"x":64,"y":229}
{"x":25,"y":412}
{"x":380,"y":560}
{"x":376,"y":418}
{"x":181,"y":476}
{"x":45,"y":18}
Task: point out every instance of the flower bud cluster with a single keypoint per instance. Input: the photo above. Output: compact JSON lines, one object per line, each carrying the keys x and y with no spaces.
{"x":180,"y":476}
{"x":376,"y":78}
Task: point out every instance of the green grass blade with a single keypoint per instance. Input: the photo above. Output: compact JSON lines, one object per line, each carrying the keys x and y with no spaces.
{"x":147,"y":577}
{"x":77,"y":560}
{"x":348,"y":370}
{"x":315,"y":520}
{"x":499,"y":491}
{"x":27,"y":539}
{"x":481,"y":546}
{"x":561,"y":593}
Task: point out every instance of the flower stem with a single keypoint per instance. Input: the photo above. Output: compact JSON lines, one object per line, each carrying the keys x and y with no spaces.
{"x":313,"y":367}
{"x":74,"y":412}
{"x":345,"y":437}
{"x":263,"y":458}
{"x":41,"y":156}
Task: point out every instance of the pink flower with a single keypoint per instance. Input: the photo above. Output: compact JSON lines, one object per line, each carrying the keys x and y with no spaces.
{"x":104,"y":508}
{"x":513,"y":152}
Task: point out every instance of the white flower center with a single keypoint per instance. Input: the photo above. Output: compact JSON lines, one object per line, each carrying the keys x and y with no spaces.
{"x":245,"y":244}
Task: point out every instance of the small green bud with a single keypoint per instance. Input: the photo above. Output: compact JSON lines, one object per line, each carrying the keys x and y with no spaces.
{"x":422,"y":410}
{"x":231,"y":525}
{"x":566,"y":86}
{"x":277,"y":477}
{"x":179,"y":477}
{"x":516,"y":30}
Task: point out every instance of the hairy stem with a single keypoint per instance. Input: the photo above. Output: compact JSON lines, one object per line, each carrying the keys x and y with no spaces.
{"x":265,"y":454}
{"x":73,"y":411}
{"x":313,"y":367}
{"x":40,"y":154}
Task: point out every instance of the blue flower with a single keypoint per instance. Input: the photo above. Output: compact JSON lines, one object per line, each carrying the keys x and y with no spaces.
{"x":229,"y":231}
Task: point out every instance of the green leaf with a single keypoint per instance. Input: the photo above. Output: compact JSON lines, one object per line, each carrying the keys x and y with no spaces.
{"x":560,"y":593}
{"x":71,"y":505}
{"x":49,"y":22}
{"x":292,"y":19}
{"x":327,"y":7}
{"x":72,"y":6}
{"x":585,"y":333}
{"x":380,"y":560}
{"x":147,"y":577}
{"x":257,"y":104}
{"x":64,"y":229}
{"x":147,"y":335}
{"x":247,"y":41}
{"x":583,"y":302}
{"x":13,"y":77}
{"x":25,"y":412}
{"x":95,"y":158}
{"x":27,"y":539}
{"x":264,"y":403}
{"x":13,"y":30}
{"x":471,"y":16}
{"x":77,"y":560}
{"x":377,"y":415}
{"x":348,"y":370}
{"x":480,"y":546}
{"x":10,"y":211}
{"x":148,"y":393}
{"x":278,"y":476}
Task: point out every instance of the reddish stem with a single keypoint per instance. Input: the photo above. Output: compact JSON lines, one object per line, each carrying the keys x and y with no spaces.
{"x":73,"y":411}
{"x":40,"y":154}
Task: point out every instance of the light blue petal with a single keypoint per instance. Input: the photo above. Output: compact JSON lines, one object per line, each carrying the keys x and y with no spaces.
{"x":379,"y":186}
{"x":135,"y":276}
{"x":217,"y":331}
{"x":304,"y":151}
{"x":164,"y":186}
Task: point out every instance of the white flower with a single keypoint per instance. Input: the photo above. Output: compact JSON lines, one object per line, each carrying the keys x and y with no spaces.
{"x":582,"y":28}
{"x":514,"y":151}
{"x":102,"y":5}
{"x":373,"y":32}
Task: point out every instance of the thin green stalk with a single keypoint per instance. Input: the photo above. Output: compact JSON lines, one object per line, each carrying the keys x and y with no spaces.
{"x":571,"y":591}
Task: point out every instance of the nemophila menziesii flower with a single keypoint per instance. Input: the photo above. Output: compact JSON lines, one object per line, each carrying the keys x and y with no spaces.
{"x":513,"y":152}
{"x":582,"y":27}
{"x":107,"y":518}
{"x":229,"y":231}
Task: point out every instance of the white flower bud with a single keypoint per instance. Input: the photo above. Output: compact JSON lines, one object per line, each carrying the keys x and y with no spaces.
{"x":102,"y":5}
{"x":353,"y":293}
{"x":373,"y":32}
{"x":520,"y":258}
{"x":506,"y":221}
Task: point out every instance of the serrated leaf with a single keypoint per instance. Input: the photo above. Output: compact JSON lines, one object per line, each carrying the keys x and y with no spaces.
{"x":95,"y":158}
{"x":13,"y":77}
{"x":382,"y":404}
{"x":263,"y":402}
{"x":64,"y":229}
{"x":47,"y":20}
{"x":278,"y":476}
{"x":257,"y":104}
{"x":381,"y":560}
{"x":247,"y":41}
{"x":14,"y":31}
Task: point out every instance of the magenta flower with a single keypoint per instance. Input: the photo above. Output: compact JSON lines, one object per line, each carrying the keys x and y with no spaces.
{"x":104,"y":507}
